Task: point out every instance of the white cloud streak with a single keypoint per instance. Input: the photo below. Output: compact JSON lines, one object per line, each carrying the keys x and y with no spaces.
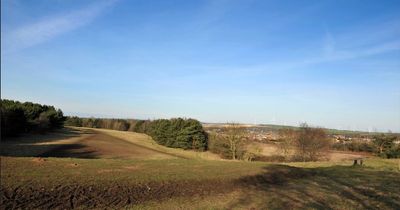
{"x":51,"y":27}
{"x":367,"y":41}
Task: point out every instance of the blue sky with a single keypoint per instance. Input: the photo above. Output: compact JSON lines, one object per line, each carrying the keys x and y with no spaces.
{"x":333,"y":64}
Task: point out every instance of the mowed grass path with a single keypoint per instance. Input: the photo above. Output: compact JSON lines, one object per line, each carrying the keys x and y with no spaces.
{"x":171,"y":182}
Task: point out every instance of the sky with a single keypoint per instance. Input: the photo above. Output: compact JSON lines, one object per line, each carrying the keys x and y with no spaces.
{"x":334,"y":64}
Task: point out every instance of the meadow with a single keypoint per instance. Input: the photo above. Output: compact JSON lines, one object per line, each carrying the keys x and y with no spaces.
{"x":97,"y":175}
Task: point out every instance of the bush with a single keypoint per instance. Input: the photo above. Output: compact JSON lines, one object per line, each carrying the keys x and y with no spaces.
{"x":385,"y":146}
{"x":394,"y":152}
{"x":219,"y":145}
{"x":178,"y":133}
{"x":354,"y":146}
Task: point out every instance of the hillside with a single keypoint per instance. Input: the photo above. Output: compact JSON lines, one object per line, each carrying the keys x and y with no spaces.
{"x":96,"y":168}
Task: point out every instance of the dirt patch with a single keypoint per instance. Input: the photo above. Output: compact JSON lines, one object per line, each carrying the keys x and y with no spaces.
{"x":74,"y":165}
{"x":39,"y":160}
{"x":109,"y":196}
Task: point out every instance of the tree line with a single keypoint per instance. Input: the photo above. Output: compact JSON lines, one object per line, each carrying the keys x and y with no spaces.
{"x":18,"y":118}
{"x":175,"y":132}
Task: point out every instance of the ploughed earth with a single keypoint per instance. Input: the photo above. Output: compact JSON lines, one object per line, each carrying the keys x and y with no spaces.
{"x":104,"y":195}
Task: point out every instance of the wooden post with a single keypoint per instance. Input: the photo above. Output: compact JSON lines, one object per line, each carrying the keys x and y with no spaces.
{"x":358,"y":161}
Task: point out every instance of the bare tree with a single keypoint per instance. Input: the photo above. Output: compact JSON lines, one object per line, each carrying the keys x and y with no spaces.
{"x":287,"y":141}
{"x":235,"y":136}
{"x":311,"y":143}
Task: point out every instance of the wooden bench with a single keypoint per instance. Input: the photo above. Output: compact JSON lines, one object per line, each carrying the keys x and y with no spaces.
{"x":358,"y":161}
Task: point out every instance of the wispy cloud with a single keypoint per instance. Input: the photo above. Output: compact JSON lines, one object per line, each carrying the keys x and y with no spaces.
{"x":362,"y":52}
{"x":360,"y":42}
{"x":51,"y":27}
{"x":355,"y":44}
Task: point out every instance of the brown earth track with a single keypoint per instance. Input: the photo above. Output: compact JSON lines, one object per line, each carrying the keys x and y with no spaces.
{"x":101,"y":145}
{"x":112,"y":196}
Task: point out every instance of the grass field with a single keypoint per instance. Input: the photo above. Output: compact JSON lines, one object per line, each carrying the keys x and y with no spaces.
{"x":165,"y":178}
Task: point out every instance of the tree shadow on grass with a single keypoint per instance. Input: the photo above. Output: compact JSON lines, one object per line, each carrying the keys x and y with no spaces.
{"x":282,"y":186}
{"x":71,"y":151}
{"x":31,"y":145}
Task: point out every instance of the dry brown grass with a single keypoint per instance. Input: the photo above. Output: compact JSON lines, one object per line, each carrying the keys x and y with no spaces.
{"x":270,"y":150}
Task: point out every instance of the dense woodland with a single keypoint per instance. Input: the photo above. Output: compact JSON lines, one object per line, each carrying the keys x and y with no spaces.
{"x":18,"y":118}
{"x":176,"y":132}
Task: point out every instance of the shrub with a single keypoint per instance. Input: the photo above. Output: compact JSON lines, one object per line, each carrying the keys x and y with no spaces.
{"x":219,"y":145}
{"x":385,"y":146}
{"x":178,"y":133}
{"x":394,"y":152}
{"x":354,"y":146}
